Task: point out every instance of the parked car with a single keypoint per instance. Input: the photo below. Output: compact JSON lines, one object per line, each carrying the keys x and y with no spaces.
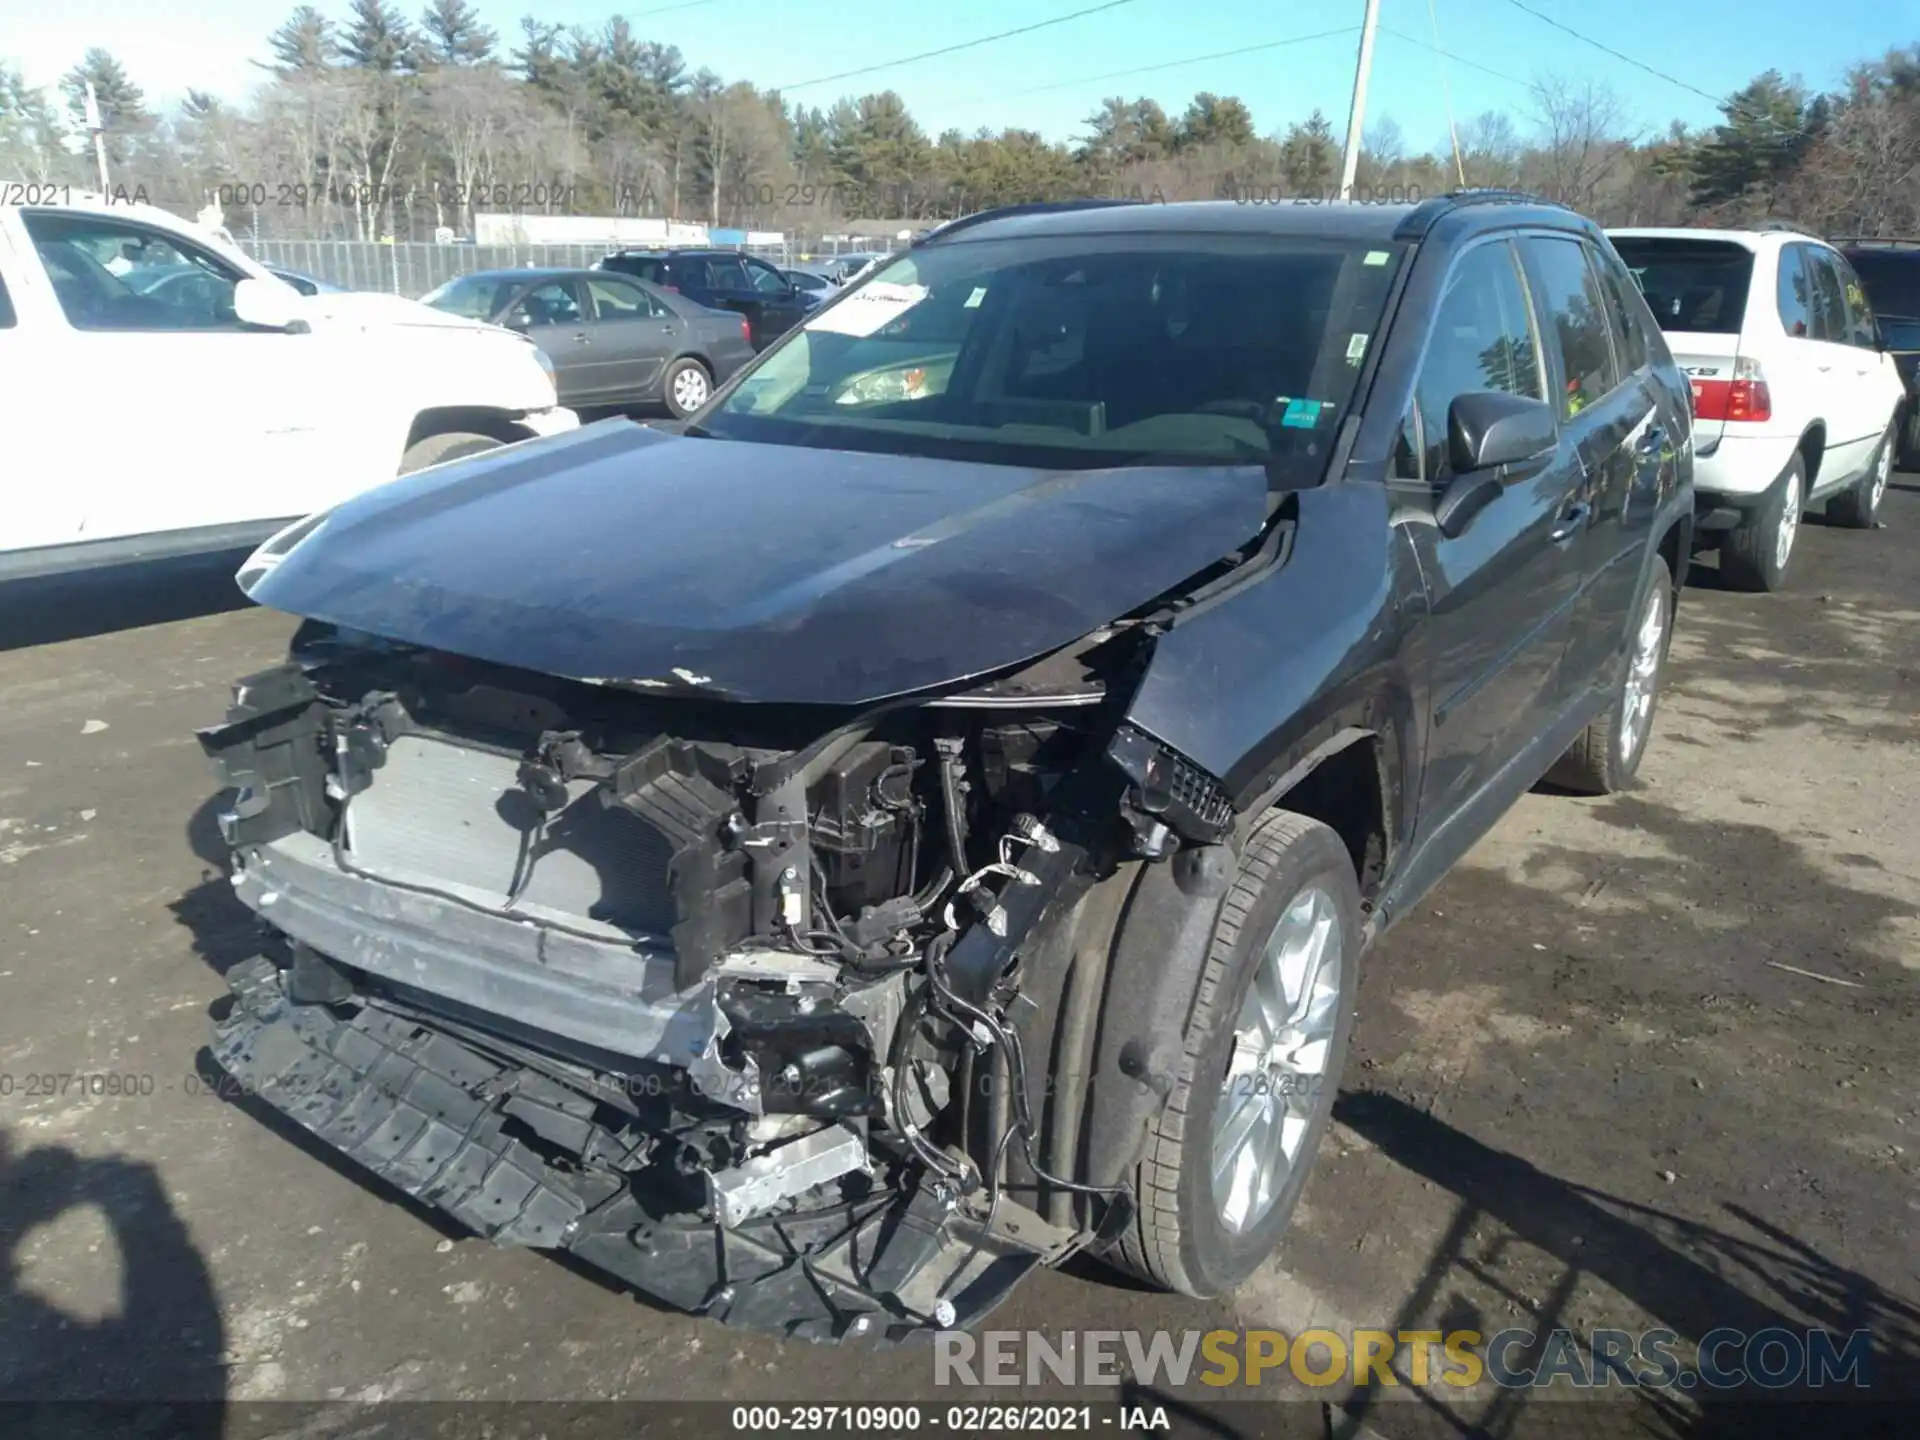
{"x":232,"y":404}
{"x":843,"y":267}
{"x":614,"y":340}
{"x":720,"y":280}
{"x":306,"y":284}
{"x":1795,"y":398}
{"x":1890,"y":269}
{"x":814,"y":287}
{"x":822,"y":865}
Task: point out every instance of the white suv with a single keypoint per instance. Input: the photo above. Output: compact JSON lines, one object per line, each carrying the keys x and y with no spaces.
{"x":1794,"y":399}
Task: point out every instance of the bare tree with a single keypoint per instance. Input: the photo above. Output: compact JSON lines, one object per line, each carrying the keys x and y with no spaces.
{"x":1580,"y":143}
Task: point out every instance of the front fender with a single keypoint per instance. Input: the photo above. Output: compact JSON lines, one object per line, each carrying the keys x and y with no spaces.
{"x":1304,"y":660}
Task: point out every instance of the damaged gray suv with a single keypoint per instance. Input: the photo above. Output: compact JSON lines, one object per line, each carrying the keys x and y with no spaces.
{"x":924,"y":818}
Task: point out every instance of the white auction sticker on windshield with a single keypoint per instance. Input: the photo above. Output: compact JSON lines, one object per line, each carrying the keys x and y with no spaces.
{"x":873,"y":305}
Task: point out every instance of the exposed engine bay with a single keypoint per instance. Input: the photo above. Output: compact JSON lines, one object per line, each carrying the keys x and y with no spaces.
{"x":732,"y":1001}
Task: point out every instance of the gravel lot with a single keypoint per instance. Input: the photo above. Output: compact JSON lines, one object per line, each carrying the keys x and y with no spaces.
{"x":1584,"y":1091}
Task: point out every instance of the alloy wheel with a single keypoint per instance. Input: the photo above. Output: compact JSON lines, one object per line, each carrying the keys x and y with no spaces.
{"x":1282,"y":1048}
{"x":1643,"y":672}
{"x":1789,"y":525}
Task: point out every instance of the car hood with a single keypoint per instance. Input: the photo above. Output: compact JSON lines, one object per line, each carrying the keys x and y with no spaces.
{"x":372,"y":307}
{"x":621,"y":554}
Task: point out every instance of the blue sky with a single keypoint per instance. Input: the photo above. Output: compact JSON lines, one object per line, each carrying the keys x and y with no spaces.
{"x":1051,"y":79}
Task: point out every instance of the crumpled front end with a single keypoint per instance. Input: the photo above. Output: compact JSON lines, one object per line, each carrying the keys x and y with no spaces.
{"x":722,"y":999}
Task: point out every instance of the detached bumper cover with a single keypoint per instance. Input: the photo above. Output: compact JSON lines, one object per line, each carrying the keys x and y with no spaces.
{"x":442,"y":1121}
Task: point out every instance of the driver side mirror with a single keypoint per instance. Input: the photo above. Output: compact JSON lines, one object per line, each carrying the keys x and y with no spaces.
{"x":1489,"y":431}
{"x":269,"y":305}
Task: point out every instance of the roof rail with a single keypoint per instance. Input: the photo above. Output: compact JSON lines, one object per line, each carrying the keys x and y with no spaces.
{"x":1005,"y":212}
{"x":1424,"y":215}
{"x":1870,"y":240}
{"x":1779,"y":223}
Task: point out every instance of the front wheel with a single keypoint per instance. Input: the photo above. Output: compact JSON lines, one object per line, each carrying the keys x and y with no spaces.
{"x":1607,"y":756}
{"x":1228,"y":1156}
{"x":687,"y":387}
{"x":1858,"y":507}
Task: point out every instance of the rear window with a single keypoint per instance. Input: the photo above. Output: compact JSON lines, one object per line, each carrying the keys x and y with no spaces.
{"x":477,"y":297}
{"x":649,"y":268}
{"x":1692,"y":286}
{"x":1892,"y":278}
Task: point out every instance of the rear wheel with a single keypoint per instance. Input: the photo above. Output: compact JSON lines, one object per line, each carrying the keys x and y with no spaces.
{"x":1606,"y":757}
{"x":1228,"y":1156}
{"x":1859,"y":507}
{"x":1755,"y":556}
{"x":438,"y":449}
{"x":686,"y":386}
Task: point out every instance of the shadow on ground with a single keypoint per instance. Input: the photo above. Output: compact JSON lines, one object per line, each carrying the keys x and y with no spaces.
{"x":158,"y":1350}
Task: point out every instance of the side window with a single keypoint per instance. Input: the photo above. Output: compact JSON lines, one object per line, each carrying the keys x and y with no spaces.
{"x":120,"y":275}
{"x":1483,"y":339}
{"x":7,"y":320}
{"x":550,"y":303}
{"x":614,"y":301}
{"x":1794,"y":293}
{"x":1829,"y":303}
{"x":726,"y":273}
{"x":1623,"y":302}
{"x":1570,"y":297}
{"x":1861,"y":329}
{"x":766,"y":278}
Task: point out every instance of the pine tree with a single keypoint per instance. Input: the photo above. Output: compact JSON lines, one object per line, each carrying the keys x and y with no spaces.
{"x":123,"y":107}
{"x":305,"y":43}
{"x":455,"y":35}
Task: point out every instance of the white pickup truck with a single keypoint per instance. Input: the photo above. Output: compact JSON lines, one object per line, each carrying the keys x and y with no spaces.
{"x":163,"y":394}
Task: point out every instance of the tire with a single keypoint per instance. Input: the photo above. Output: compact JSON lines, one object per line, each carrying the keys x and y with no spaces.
{"x":1606,"y":758}
{"x":1754,"y":556}
{"x":685,"y":387}
{"x":438,"y":449}
{"x":1181,"y":1239}
{"x":1858,"y":507}
{"x":1908,"y":455}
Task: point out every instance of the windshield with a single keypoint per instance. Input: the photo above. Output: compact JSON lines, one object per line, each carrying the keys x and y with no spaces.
{"x":1081,"y":352}
{"x":1891,"y":278}
{"x":1692,"y":286}
{"x":477,"y":297}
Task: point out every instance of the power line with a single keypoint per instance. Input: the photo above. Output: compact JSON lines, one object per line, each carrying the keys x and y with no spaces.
{"x":1175,"y":64}
{"x":955,"y":49}
{"x":1456,"y":59}
{"x":1721,"y":102}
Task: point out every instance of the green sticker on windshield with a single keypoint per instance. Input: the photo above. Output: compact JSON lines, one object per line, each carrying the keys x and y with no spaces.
{"x":1301,"y":414}
{"x":1379,"y":257}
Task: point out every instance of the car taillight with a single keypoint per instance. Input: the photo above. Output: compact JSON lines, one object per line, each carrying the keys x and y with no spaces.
{"x":1745,"y":397}
{"x":671,"y":289}
{"x":746,"y":329}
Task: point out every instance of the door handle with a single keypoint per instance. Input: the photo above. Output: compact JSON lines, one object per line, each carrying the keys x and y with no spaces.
{"x":580,"y":339}
{"x":1571,"y":519}
{"x":1651,"y":442}
{"x":1823,"y":369}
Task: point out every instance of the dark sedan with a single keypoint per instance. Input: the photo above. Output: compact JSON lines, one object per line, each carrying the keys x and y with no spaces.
{"x":613,"y":340}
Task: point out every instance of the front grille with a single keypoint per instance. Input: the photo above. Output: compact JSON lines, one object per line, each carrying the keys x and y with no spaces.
{"x":440,"y":813}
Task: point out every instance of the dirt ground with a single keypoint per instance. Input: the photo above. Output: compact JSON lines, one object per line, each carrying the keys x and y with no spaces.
{"x":1584,"y":1090}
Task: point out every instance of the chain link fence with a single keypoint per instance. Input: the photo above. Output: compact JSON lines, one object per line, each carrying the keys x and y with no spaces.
{"x":413,"y":268}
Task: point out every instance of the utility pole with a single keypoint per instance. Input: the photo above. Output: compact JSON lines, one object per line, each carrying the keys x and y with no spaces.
{"x":1357,"y":117}
{"x":99,"y":137}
